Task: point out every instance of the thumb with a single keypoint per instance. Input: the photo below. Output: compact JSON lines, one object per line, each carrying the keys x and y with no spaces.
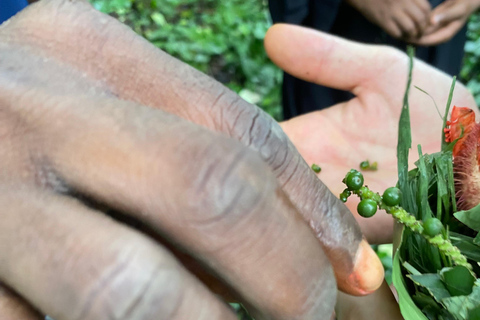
{"x":448,"y":12}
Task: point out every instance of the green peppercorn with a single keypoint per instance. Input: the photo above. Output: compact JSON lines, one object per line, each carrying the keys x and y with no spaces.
{"x":347,"y":192}
{"x":364,"y":165}
{"x":343,"y":197}
{"x":432,"y":227}
{"x":316,"y":168}
{"x":354,"y":180}
{"x":367,"y":208}
{"x":392,"y":196}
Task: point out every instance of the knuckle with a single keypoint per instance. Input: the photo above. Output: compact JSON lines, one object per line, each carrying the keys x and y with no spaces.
{"x":409,"y":30}
{"x":255,"y":129}
{"x":135,"y":286}
{"x":231,"y":186}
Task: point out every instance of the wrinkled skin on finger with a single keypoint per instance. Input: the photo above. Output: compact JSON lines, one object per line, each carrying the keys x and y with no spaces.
{"x":203,"y":171}
{"x":125,"y":66}
{"x":77,"y":138}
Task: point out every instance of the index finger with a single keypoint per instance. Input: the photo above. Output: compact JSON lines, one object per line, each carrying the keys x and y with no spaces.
{"x":135,"y":70}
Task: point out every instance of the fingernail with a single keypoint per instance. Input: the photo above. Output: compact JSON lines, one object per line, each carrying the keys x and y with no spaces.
{"x":437,"y":18}
{"x":367,"y":275}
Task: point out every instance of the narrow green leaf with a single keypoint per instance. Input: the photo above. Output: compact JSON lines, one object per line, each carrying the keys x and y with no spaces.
{"x":466,"y":245}
{"x":411,"y":269}
{"x":471,"y":218}
{"x":423,"y":181}
{"x":408,"y":308}
{"x":458,"y":280}
{"x":433,"y":100}
{"x":447,"y":109}
{"x":451,"y":185}
{"x":476,"y":241}
{"x":442,"y":163}
{"x":405,"y":136}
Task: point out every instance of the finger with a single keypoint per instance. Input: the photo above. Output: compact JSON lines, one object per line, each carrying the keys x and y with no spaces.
{"x":449,"y":11}
{"x":393,"y":29}
{"x":420,"y":16}
{"x":324,"y":62}
{"x":407,"y":25}
{"x":203,"y":191}
{"x":424,"y":6}
{"x":74,"y":263}
{"x":442,"y":35}
{"x":14,"y":307}
{"x":145,"y":75}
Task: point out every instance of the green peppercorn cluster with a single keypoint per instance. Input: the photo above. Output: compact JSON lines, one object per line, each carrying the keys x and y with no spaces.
{"x":389,"y":201}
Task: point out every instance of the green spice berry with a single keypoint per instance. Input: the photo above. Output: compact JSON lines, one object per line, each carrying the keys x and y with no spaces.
{"x":367,"y":208}
{"x":354,"y":180}
{"x":432,"y":227}
{"x":364,"y":165}
{"x":392,"y":196}
{"x":367,"y":166}
{"x":316,"y":168}
{"x":343,"y":197}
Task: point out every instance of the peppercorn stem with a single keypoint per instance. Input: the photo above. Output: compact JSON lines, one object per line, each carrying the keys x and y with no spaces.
{"x":402,"y":216}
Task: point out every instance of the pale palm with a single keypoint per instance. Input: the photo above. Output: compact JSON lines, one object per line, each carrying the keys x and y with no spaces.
{"x":366,"y":127}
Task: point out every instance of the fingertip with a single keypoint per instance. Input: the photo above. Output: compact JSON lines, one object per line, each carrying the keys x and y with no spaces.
{"x":436,"y":19}
{"x":367,"y":275}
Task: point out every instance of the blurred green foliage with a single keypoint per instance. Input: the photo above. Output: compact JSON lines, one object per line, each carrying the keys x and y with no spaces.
{"x":224,"y":39}
{"x":221,"y":38}
{"x":470,"y":73}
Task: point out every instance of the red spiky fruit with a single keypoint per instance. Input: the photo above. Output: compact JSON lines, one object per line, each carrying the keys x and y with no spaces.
{"x":466,"y":163}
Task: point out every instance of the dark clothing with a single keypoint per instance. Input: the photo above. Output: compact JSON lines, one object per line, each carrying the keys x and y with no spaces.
{"x":338,"y":18}
{"x":10,"y":7}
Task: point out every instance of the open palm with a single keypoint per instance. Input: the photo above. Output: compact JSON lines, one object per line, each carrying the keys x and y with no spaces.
{"x":366,"y":127}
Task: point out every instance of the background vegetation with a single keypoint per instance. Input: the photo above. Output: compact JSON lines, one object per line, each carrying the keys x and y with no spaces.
{"x":224,"y":38}
{"x":221,"y":38}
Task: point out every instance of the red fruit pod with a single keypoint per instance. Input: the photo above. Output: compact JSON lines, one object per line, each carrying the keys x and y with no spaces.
{"x":467,"y":170}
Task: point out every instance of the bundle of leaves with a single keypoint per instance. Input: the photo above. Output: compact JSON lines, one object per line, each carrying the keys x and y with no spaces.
{"x":436,"y":263}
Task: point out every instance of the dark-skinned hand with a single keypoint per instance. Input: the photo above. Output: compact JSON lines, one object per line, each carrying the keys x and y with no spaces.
{"x":96,"y":122}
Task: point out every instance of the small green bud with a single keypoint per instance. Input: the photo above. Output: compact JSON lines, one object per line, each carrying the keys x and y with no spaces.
{"x":316,"y":168}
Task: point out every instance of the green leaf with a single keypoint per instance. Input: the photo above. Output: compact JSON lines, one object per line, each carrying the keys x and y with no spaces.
{"x":466,"y":245}
{"x":474,"y":314}
{"x":433,"y":283}
{"x":433,"y":100}
{"x":405,"y":137}
{"x":476,"y":241}
{"x":408,"y":308}
{"x":471,"y":218}
{"x":158,"y":18}
{"x":447,"y":109}
{"x":458,"y":280}
{"x":461,"y":306}
{"x":423,"y":181}
{"x":445,"y":185}
{"x":423,"y":300}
